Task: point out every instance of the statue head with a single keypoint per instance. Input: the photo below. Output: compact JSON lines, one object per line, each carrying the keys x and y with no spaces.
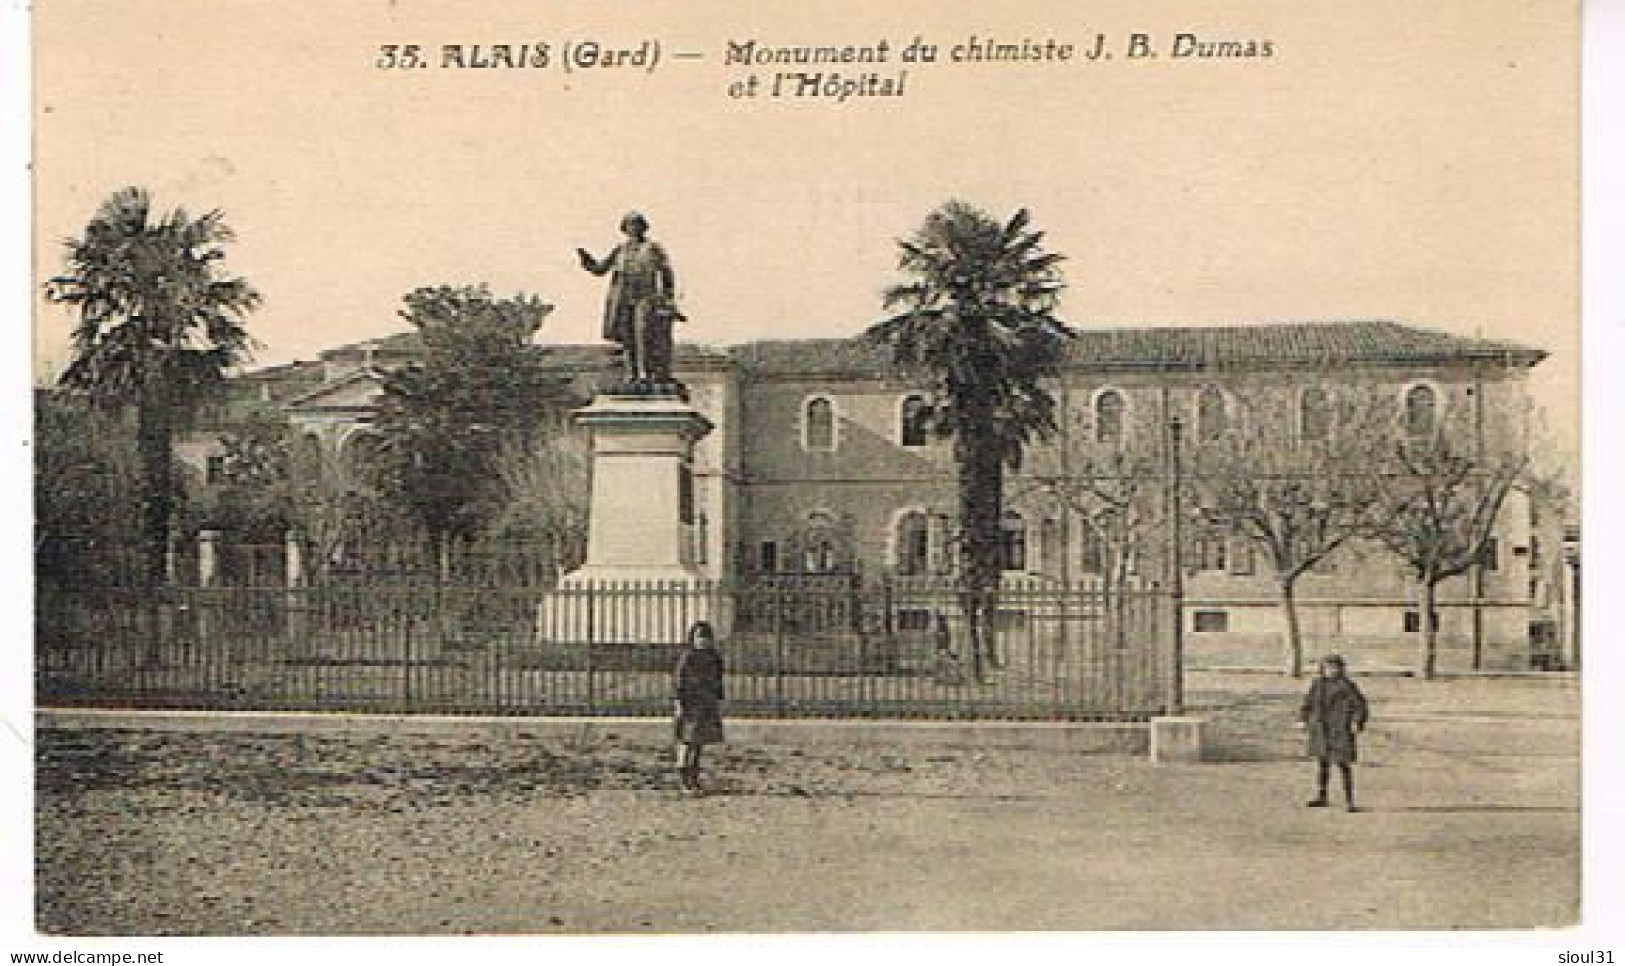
{"x":634,"y":224}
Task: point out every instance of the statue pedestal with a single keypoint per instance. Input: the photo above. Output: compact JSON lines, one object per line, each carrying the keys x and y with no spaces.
{"x":639,"y":584}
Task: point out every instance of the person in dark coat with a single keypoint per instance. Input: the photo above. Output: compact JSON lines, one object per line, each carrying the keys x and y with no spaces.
{"x":698,"y":683}
{"x":1333,"y":712}
{"x":945,"y":668}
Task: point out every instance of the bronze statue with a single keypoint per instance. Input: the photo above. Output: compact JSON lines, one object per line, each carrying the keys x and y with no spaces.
{"x":640,"y":308}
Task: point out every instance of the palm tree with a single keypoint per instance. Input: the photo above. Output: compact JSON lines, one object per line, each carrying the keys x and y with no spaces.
{"x":159,"y":324}
{"x":975,"y":323}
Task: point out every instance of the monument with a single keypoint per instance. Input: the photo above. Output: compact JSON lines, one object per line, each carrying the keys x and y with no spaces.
{"x":640,"y":307}
{"x":639,"y":584}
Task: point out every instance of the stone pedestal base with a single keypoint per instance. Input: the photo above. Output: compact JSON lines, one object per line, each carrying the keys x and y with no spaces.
{"x":640,"y":584}
{"x":1176,"y":740}
{"x":589,"y":610}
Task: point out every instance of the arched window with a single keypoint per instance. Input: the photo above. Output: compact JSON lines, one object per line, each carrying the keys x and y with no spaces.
{"x":1013,"y":542}
{"x":1421,"y":411}
{"x":819,"y":548}
{"x":911,"y":421}
{"x":1109,"y":417}
{"x":308,"y":458}
{"x":362,"y":457}
{"x":1051,"y":545}
{"x":913,"y":544}
{"x":1093,"y":560}
{"x":939,"y":544}
{"x":818,"y":424}
{"x":1212,"y":553}
{"x":820,"y":556}
{"x":1212,"y":417}
{"x":1314,"y":414}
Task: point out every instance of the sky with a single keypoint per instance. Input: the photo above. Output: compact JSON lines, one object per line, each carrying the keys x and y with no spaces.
{"x":1390,"y":159}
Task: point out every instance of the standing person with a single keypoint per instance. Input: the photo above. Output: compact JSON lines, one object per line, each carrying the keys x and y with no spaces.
{"x":945,"y":667}
{"x":1333,"y":712}
{"x":699,"y":701}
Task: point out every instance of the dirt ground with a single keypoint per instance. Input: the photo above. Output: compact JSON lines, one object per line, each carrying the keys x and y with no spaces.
{"x":1472,"y":819}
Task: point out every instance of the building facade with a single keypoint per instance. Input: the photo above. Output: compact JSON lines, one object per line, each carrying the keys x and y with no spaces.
{"x":819,"y":463}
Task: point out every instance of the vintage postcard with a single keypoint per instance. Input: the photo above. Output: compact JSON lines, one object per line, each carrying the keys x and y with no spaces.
{"x":552,"y":468}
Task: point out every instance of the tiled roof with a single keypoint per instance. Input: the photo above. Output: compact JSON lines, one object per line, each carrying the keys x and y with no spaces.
{"x":396,"y":343}
{"x":1378,"y":340}
{"x":1193,"y":347}
{"x":283,"y":370}
{"x":1373,"y":341}
{"x":563,"y":355}
{"x":783,"y":357}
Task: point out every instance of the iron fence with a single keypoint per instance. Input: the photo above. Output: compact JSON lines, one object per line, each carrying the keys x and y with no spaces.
{"x":896,"y":649}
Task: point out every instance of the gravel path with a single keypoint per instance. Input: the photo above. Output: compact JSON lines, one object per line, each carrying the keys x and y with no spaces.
{"x":1470,"y":825}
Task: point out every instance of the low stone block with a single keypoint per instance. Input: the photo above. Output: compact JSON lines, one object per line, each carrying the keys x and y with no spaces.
{"x":1176,"y":739}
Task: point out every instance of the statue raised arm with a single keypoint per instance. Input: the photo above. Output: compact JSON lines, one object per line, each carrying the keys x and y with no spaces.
{"x":640,"y":306}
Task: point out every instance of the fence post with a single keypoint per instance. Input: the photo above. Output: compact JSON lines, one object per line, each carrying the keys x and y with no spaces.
{"x":854,"y":621}
{"x":778,"y":647}
{"x":208,"y":559}
{"x":294,"y":594}
{"x":406,"y":649}
{"x":591,"y":591}
{"x":172,"y":559}
{"x":887,"y":628}
{"x":202,"y":616}
{"x":1176,"y":570}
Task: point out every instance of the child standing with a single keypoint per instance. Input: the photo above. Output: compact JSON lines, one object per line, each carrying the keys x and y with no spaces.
{"x":945,"y":667}
{"x":699,"y":702}
{"x":1333,"y":712}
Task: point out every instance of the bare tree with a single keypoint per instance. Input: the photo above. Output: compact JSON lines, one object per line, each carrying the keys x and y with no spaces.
{"x":1292,"y":480}
{"x":1114,"y":493}
{"x":544,"y":485}
{"x":1437,"y":510}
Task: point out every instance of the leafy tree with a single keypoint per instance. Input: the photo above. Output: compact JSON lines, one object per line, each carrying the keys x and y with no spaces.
{"x":480,"y":390}
{"x":253,"y":494}
{"x":975,"y":324}
{"x":159,"y":323}
{"x":1436,"y":512}
{"x":87,"y":484}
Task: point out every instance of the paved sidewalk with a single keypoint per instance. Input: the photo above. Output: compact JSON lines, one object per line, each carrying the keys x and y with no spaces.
{"x":1472,"y":789}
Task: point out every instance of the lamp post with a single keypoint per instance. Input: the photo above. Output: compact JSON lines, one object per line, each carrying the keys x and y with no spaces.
{"x":1176,"y":567}
{"x":1571,"y":560}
